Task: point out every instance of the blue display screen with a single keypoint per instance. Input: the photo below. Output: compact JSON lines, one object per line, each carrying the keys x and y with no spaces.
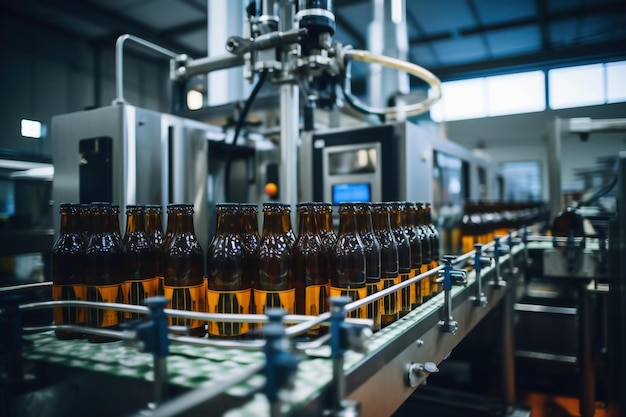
{"x":354,"y":192}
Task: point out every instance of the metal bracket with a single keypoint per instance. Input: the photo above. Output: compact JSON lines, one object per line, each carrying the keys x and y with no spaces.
{"x":479,"y":298}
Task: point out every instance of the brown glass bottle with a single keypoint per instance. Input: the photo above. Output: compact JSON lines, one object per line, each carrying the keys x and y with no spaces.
{"x":404,"y":255}
{"x":183,"y":282}
{"x":371,"y":246}
{"x":84,"y":222}
{"x":229,"y":291}
{"x":427,"y":253}
{"x":471,"y":227}
{"x":325,"y":224}
{"x":276,"y":288}
{"x":310,"y":266}
{"x":139,"y":262}
{"x":326,"y":230}
{"x":154,"y":224}
{"x":286,"y":223}
{"x":388,"y":262}
{"x":434,"y":244}
{"x":249,"y":220}
{"x":409,"y":224}
{"x":172,"y":209}
{"x":154,"y":229}
{"x":67,"y":269}
{"x":103,"y":269}
{"x":348,"y":261}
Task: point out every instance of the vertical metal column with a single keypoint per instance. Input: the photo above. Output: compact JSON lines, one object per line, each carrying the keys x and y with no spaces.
{"x":508,"y":345}
{"x":554,"y":166}
{"x":289,"y":118}
{"x":587,"y":372}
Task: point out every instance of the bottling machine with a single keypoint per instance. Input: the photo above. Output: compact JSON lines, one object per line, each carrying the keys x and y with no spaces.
{"x":128,"y":155}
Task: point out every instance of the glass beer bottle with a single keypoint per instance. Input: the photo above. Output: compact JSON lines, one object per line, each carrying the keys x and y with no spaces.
{"x":348,"y":276}
{"x":67,"y":269}
{"x":325,"y":225}
{"x":154,"y":225}
{"x":276,"y":288}
{"x":251,"y":239}
{"x":286,"y":223}
{"x":434,"y":244}
{"x":103,"y":270}
{"x":139,"y":262}
{"x":404,"y":255}
{"x":427,"y":253}
{"x":172,"y":209}
{"x":310,"y":266}
{"x":183,"y":282}
{"x":421,"y":288}
{"x":228,"y":289}
{"x":388,"y":263}
{"x":372,"y":258}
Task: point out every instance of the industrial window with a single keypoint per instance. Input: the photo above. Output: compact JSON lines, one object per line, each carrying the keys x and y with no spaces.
{"x":584,"y":85}
{"x":576,"y":86}
{"x":516,"y":93}
{"x":522,"y":180}
{"x":616,"y":82}
{"x":461,"y":100}
{"x":491,"y":96}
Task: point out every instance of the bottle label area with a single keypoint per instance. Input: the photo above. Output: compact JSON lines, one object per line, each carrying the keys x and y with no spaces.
{"x":355,"y":294}
{"x":192,"y":298}
{"x":104,"y":294}
{"x":229,"y":302}
{"x":285,"y":299}
{"x":137,"y":291}
{"x":68,"y":315}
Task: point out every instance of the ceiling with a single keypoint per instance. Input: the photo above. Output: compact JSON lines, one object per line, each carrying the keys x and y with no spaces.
{"x":452,"y":38}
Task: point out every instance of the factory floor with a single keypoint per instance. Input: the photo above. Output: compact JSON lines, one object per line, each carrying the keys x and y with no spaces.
{"x":546,"y":405}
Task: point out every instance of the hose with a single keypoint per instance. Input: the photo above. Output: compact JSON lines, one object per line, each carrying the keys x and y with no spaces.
{"x":398,"y":64}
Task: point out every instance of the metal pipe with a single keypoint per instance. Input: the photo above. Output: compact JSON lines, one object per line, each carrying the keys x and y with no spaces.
{"x":159,"y":387}
{"x":507,"y":343}
{"x":289,"y":135}
{"x":119,"y":61}
{"x":210,"y":63}
{"x":25,"y":287}
{"x":116,"y":334}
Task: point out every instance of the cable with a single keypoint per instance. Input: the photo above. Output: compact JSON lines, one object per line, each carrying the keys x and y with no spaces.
{"x":240,"y":121}
{"x":410,"y":68}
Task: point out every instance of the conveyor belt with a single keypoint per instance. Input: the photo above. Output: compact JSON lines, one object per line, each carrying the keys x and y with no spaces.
{"x":377,"y":380}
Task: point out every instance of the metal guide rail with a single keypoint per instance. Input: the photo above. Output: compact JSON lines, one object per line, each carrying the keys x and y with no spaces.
{"x":348,"y":371}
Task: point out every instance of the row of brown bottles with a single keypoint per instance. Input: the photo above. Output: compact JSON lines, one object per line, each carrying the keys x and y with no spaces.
{"x":377,"y":246}
{"x":92,"y":262}
{"x":484,"y":220}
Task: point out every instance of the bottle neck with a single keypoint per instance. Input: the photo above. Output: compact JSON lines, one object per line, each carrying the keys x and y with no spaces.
{"x":347,"y":223}
{"x":135,"y":223}
{"x":66,"y":223}
{"x":364,"y":222}
{"x":272,"y":223}
{"x":250,"y":224}
{"x":381,"y":221}
{"x":184,"y":223}
{"x":286,"y":221}
{"x":395,"y":219}
{"x":227,"y":223}
{"x":153,"y":222}
{"x":307,"y":223}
